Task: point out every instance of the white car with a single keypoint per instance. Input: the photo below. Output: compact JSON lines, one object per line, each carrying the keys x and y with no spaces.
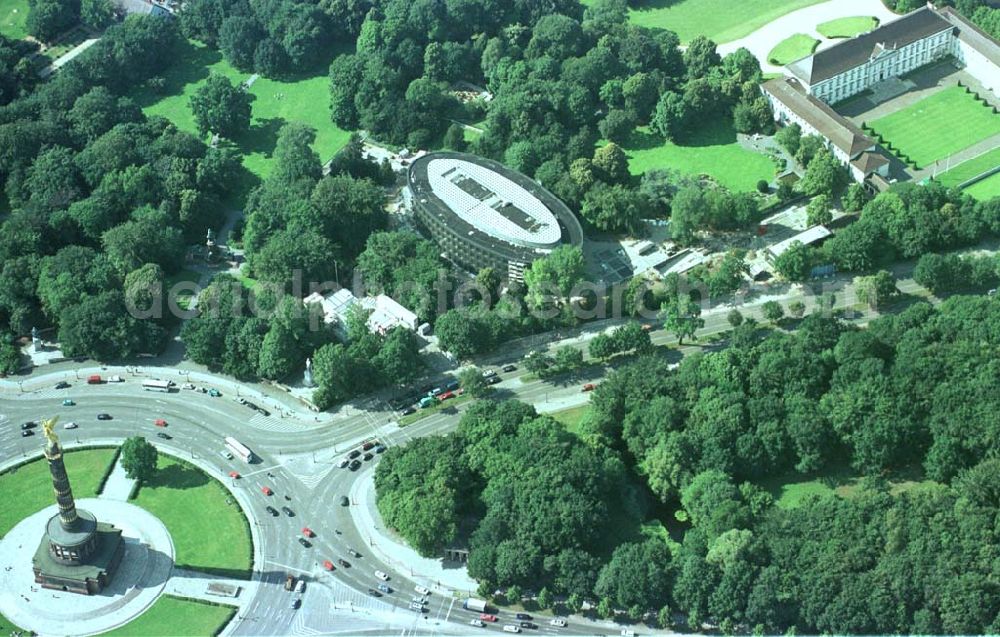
{"x":70,"y":425}
{"x":628,"y":632}
{"x":511,"y":628}
{"x":476,"y":622}
{"x":344,"y":463}
{"x":419,"y":600}
{"x":557,"y":622}
{"x":423,"y":590}
{"x":382,"y":576}
{"x":116,"y":379}
{"x":300,"y":586}
{"x":488,"y":373}
{"x":225,"y":454}
{"x":187,"y":386}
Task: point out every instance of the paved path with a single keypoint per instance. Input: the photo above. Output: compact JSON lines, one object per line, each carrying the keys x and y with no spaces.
{"x":761,"y":41}
{"x":943,"y":165}
{"x":118,"y":485}
{"x":68,"y":57}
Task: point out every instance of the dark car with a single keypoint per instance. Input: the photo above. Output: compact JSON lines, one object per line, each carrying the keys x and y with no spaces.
{"x":27,"y":432}
{"x":523,"y":616}
{"x":368,"y":456}
{"x":492,"y":380}
{"x":344,"y":501}
{"x":528,"y":625}
{"x":353,"y":553}
{"x":344,"y":563}
{"x":296,"y":603}
{"x":263,"y":412}
{"x":426,"y":389}
{"x":408,"y":411}
{"x":355,"y":465}
{"x":304,"y":542}
{"x":62,"y":385}
{"x":374,"y":593}
{"x":509,"y":368}
{"x":104,"y":416}
{"x":163,"y":435}
{"x":354,"y":454}
{"x":368,"y":445}
{"x":380,"y":449}
{"x":452,"y":385}
{"x":288,"y":512}
{"x":29,"y":425}
{"x":272,"y":511}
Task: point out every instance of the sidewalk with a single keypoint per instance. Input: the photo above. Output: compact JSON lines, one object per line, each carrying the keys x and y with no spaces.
{"x":118,"y":485}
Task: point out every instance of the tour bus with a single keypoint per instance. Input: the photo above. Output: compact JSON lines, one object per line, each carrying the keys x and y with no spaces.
{"x":239,"y":450}
{"x":156,"y":385}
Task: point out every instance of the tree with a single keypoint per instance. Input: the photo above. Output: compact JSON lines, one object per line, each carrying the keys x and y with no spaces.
{"x":473,"y":383}
{"x":795,"y":263}
{"x":615,"y":208}
{"x":877,"y":289}
{"x":855,"y":197}
{"x":48,"y":18}
{"x":238,"y":39}
{"x":682,"y":316}
{"x":637,"y":575}
{"x":670,"y":119}
{"x":789,"y":137}
{"x":797,"y":309}
{"x":937,"y":272}
{"x":544,"y":598}
{"x":138,"y":458}
{"x":220,"y":107}
{"x":735,"y":318}
{"x":617,"y":125}
{"x":97,"y":14}
{"x":824,"y":175}
{"x":773,"y":311}
{"x":294,"y":157}
{"x":454,"y":138}
{"x":819,"y":212}
{"x":556,"y":274}
{"x":611,"y":163}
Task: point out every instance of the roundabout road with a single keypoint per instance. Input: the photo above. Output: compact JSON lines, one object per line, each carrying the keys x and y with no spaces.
{"x":298,"y":460}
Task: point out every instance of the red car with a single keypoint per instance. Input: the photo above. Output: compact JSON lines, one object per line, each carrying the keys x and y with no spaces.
{"x":445,"y":396}
{"x":266,"y":491}
{"x":159,"y":422}
{"x":306,"y":531}
{"x":589,"y":387}
{"x":486,"y":617}
{"x":234,"y":474}
{"x":328,"y":565}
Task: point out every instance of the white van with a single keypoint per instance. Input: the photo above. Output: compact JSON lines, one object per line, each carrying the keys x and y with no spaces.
{"x":300,"y":586}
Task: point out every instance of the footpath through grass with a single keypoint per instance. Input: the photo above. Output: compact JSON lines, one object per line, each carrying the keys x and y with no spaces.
{"x":13,"y":14}
{"x":207,"y":526}
{"x":720,"y":20}
{"x":276,"y":103}
{"x":847,"y":27}
{"x":178,"y":618}
{"x":938,"y":126}
{"x":29,"y":487}
{"x":794,"y":47}
{"x":712,"y":149}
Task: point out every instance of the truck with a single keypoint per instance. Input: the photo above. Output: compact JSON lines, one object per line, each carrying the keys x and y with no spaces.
{"x":426,"y":401}
{"x":476,"y":605}
{"x":94,"y":379}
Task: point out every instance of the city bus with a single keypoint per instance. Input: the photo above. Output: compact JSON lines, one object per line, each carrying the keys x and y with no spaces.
{"x":156,"y":385}
{"x":237,"y":448}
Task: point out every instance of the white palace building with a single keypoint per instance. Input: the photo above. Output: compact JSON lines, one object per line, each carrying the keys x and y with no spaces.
{"x":855,"y":65}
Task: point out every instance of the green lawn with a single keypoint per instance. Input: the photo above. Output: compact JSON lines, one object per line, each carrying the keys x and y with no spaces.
{"x":572,"y":417}
{"x":177,"y":617}
{"x":183,"y":296}
{"x":794,"y":47}
{"x":303,"y":100}
{"x":938,"y":126}
{"x":711,"y":150}
{"x":720,"y":20}
{"x":847,"y":27}
{"x":791,"y":490}
{"x":33,"y":484}
{"x":13,"y":14}
{"x":985,"y":189}
{"x":971,"y":168}
{"x":7,"y":627}
{"x":206,"y":525}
